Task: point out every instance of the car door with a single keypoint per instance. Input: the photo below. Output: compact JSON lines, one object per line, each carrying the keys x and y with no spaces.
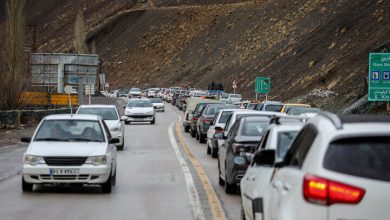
{"x":248,"y":182}
{"x":228,"y":160}
{"x":289,"y":178}
{"x":222,"y":155}
{"x":111,"y":148}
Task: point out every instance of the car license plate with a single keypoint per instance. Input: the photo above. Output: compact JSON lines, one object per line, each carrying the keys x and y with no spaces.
{"x":64,"y":171}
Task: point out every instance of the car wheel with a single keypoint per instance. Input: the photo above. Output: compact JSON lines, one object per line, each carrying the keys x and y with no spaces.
{"x":27,"y":187}
{"x":221,"y":182}
{"x":114,"y":178}
{"x":186,"y":129}
{"x":214,"y":153}
{"x":192,"y":133}
{"x":107,"y":186}
{"x":197,"y":136}
{"x":127,"y":122}
{"x":229,"y":188}
{"x":201,"y":138}
{"x":120,"y":147}
{"x":208,"y":149}
{"x":153,"y":122}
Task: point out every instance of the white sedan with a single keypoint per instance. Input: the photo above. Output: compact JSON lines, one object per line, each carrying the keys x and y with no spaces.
{"x":70,"y":149}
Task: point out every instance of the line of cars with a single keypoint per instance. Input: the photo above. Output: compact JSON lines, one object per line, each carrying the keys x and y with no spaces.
{"x":304,"y":165}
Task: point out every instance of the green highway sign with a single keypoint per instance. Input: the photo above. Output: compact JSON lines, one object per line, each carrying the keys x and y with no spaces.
{"x":263,"y":85}
{"x":379,"y":77}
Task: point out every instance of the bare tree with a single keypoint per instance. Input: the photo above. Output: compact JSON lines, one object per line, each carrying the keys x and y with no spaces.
{"x":14,"y":74}
{"x":80,"y":35}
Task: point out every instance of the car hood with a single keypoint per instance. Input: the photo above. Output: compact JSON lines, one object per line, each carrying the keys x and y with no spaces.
{"x":84,"y":149}
{"x":139,"y":110}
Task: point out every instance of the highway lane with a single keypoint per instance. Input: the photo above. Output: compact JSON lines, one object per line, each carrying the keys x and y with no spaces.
{"x":151,"y":183}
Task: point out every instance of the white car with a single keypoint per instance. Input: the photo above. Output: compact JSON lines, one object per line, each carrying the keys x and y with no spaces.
{"x":111,"y":117}
{"x":233,"y":98}
{"x":158,"y":104}
{"x":70,"y":149}
{"x":139,"y":110}
{"x":135,"y":92}
{"x":217,"y":128}
{"x":152,"y":93}
{"x":276,"y":139}
{"x":337,"y":168}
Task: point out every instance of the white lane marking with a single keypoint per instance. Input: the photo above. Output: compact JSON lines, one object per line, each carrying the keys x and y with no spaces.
{"x":197,"y":210}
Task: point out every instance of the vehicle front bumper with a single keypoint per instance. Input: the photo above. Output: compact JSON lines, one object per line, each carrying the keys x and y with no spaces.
{"x":139,"y":118}
{"x":88,"y":174}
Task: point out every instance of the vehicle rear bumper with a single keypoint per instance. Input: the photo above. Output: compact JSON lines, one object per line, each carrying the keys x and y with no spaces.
{"x":88,"y":174}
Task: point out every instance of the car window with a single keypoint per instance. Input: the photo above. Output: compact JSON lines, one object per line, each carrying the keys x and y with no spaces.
{"x":264,"y":140}
{"x":254,"y":128}
{"x":106,"y":113}
{"x":156,"y":100}
{"x":224,"y":116}
{"x":301,"y":145}
{"x":273,"y":108}
{"x":199,"y":109}
{"x":284,"y":142}
{"x":260,"y":107}
{"x":367,"y":157}
{"x":228,"y":122}
{"x":70,"y":130}
{"x":140,"y":103}
{"x":107,"y":130}
{"x":234,"y":130}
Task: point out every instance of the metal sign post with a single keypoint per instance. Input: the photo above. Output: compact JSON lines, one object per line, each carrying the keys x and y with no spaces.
{"x":68,"y":90}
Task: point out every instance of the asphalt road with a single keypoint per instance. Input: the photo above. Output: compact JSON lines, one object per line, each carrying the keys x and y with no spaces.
{"x":155,"y":180}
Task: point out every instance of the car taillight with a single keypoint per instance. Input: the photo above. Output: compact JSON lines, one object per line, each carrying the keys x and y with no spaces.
{"x":327,"y":192}
{"x":218,"y":130}
{"x":204,"y":121}
{"x":195,"y":119}
{"x":242,"y":148}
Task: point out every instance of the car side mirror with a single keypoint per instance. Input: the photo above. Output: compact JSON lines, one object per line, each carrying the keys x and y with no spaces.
{"x":265,"y":157}
{"x":224,"y":137}
{"x":218,"y":135}
{"x":124,"y":118}
{"x":124,"y":107}
{"x":25,"y":139}
{"x":114,"y":141}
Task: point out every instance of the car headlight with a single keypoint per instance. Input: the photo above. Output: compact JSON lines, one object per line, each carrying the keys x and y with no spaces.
{"x":116,"y":127}
{"x":97,"y":160}
{"x":150,"y":113}
{"x":33,"y":160}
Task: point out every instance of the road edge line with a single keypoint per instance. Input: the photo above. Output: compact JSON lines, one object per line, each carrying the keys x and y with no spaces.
{"x":216,"y":207}
{"x":196,"y":207}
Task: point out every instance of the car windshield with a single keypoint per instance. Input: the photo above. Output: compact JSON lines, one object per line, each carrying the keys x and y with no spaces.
{"x":251,"y":106}
{"x":70,"y":130}
{"x":299,"y":110}
{"x":140,"y":103}
{"x":284,"y":141}
{"x":273,"y":108}
{"x":254,"y":128}
{"x":235,"y":96}
{"x":225,"y":116}
{"x":367,"y":157}
{"x":157,"y":100}
{"x":106,"y":113}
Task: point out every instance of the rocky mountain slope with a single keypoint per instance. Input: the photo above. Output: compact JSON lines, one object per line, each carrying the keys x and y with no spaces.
{"x":314,"y":50}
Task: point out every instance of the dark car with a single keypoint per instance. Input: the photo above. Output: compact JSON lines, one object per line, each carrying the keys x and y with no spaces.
{"x":181,"y":101}
{"x":196,"y":114}
{"x":205,"y":120}
{"x":235,"y":154}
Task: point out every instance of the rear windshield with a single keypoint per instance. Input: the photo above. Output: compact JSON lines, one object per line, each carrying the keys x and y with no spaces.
{"x":273,"y":108}
{"x":235,"y":96}
{"x":284,"y":142}
{"x":140,"y":103}
{"x":367,"y":157}
{"x":213,"y":109}
{"x":254,"y":128}
{"x":106,"y":113}
{"x":298,"y":111}
{"x":158,"y":100}
{"x":200,"y":108}
{"x":225,"y":116}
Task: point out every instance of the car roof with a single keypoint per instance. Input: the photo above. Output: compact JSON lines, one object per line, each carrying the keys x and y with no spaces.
{"x":73,"y":117}
{"x":97,"y":106}
{"x":253,"y":112}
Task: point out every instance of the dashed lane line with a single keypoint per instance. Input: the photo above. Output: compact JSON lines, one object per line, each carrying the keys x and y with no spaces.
{"x":215,"y":205}
{"x":197,"y":210}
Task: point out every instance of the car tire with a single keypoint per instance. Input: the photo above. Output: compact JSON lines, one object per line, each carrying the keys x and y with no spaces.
{"x":107,"y":186}
{"x":242,"y":213}
{"x":229,"y":188}
{"x":120,"y":147}
{"x":208,"y":149}
{"x":214,"y":153}
{"x":197,"y":136}
{"x":221,"y":182}
{"x":114,"y":178}
{"x":153,"y":122}
{"x":186,"y":129}
{"x":127,"y":122}
{"x":27,"y":187}
{"x":202,"y":138}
